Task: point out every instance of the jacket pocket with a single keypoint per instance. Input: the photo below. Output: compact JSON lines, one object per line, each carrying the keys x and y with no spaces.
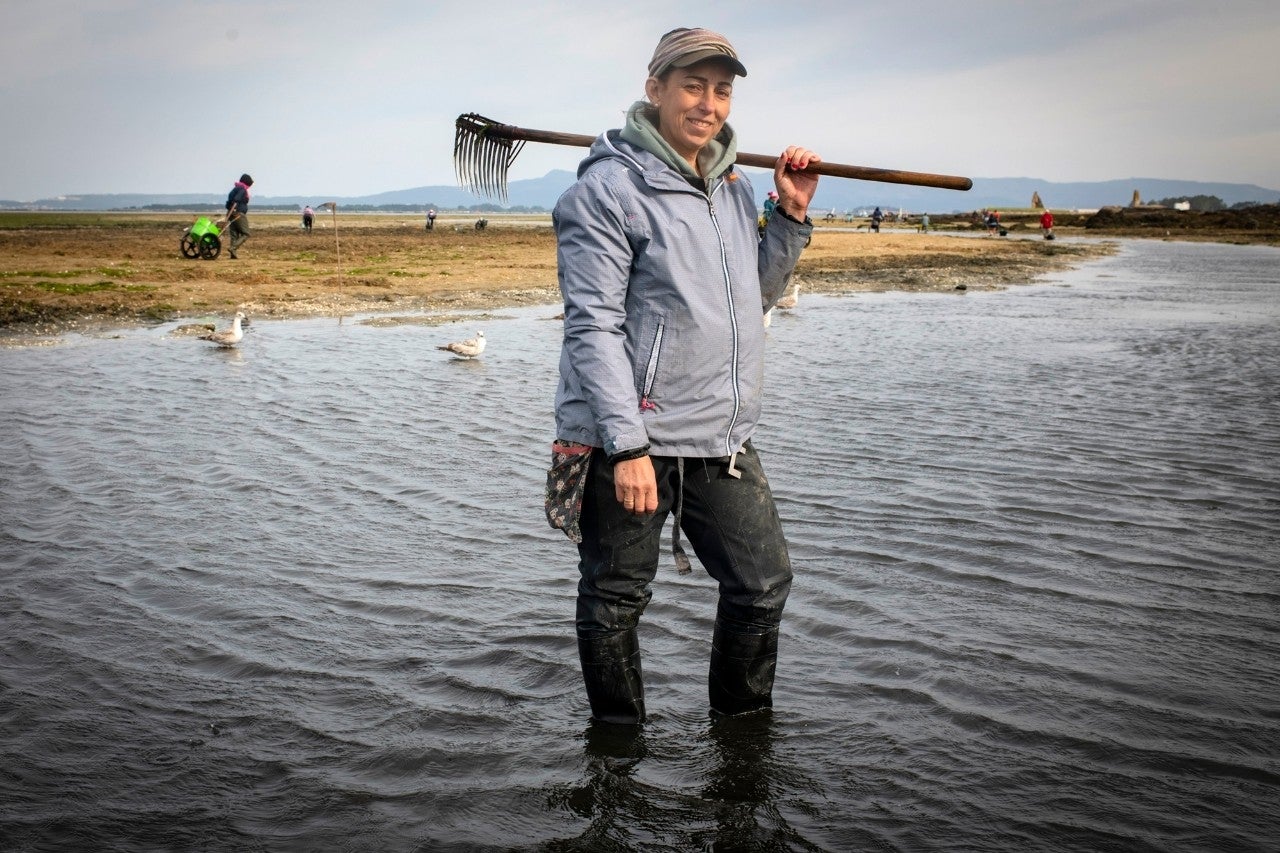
{"x":651,"y":367}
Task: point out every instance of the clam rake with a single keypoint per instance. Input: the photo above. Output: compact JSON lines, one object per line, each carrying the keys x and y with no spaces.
{"x":483,"y":151}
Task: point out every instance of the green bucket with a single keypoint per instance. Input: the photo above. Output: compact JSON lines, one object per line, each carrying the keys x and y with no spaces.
{"x":204,"y":225}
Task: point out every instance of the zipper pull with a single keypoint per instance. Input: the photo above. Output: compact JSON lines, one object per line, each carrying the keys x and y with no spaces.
{"x":646,"y":404}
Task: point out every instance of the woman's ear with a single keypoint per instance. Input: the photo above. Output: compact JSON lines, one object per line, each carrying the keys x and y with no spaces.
{"x":652,"y":89}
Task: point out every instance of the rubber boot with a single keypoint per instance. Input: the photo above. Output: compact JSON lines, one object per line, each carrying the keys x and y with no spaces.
{"x":615,"y":684}
{"x":742,"y":669}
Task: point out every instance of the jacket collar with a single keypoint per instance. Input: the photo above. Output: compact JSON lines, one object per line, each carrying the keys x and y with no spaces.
{"x":656,"y":173}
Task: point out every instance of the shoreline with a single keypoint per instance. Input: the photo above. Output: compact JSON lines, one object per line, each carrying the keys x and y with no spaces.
{"x":122,"y":271}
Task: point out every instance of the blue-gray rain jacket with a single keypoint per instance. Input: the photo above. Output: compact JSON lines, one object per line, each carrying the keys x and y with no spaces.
{"x":665,"y":289}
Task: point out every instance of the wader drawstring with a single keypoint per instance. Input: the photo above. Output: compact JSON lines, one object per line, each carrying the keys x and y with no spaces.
{"x":677,"y":550}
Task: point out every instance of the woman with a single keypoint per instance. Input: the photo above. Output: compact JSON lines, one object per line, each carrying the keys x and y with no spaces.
{"x":665,"y":283}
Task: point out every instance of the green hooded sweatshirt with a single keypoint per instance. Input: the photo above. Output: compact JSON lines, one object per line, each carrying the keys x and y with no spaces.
{"x":715,"y":159}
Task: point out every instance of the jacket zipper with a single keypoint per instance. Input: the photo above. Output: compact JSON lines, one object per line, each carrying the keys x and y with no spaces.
{"x":733,"y":321}
{"x":651,"y":369}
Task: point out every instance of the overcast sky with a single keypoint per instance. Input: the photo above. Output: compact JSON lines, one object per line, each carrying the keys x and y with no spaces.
{"x":353,"y":98}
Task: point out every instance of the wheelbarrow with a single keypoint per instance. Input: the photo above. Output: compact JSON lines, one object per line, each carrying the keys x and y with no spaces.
{"x":202,"y":240}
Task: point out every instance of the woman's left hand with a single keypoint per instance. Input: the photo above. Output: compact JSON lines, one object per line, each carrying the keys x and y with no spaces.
{"x":795,"y":187}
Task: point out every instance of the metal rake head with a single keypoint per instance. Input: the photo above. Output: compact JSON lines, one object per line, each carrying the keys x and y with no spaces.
{"x":482,"y":155}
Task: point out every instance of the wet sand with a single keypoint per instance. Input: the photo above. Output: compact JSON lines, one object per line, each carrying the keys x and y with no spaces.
{"x":67,"y":272}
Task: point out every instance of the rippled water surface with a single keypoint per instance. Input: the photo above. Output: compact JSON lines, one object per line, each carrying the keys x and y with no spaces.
{"x":300,"y":595}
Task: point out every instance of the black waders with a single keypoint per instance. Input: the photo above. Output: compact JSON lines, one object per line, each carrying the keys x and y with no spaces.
{"x":611,"y":669}
{"x":742,"y":670}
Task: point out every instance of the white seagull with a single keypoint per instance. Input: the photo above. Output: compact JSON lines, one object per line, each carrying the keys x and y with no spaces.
{"x":227,"y":337}
{"x":789,"y":300}
{"x":470,"y":348}
{"x":786,"y":302}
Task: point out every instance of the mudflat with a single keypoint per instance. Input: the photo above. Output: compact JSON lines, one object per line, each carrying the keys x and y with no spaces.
{"x":63,"y":272}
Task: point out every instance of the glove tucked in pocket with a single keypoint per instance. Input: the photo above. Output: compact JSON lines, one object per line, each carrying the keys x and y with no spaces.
{"x":566,"y":483}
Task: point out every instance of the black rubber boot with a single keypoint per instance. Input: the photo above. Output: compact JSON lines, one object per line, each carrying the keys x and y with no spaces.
{"x":615,"y":684}
{"x":742,"y":669}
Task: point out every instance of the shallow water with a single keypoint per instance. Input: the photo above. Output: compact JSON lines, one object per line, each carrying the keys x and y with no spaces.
{"x":300,"y":595}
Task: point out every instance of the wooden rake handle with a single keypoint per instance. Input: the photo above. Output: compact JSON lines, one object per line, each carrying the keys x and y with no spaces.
{"x":837,"y":170}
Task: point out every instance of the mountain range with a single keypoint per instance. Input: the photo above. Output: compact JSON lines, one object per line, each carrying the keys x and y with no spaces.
{"x":842,"y":195}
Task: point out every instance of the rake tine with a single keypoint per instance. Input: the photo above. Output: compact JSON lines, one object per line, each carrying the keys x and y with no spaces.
{"x":466,"y":141}
{"x":492,"y":166}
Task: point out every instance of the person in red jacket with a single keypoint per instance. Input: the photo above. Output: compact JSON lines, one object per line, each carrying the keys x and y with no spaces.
{"x":1046,"y":224}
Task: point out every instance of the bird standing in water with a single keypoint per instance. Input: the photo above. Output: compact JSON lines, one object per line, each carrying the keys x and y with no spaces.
{"x":227,"y":337}
{"x":470,"y":348}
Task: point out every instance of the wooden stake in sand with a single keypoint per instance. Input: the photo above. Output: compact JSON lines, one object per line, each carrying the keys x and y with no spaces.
{"x":337,"y":250}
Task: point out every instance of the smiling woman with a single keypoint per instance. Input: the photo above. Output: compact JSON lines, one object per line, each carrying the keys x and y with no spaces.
{"x":665,"y":280}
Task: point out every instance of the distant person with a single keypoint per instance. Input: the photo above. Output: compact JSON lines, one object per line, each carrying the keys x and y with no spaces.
{"x":308,"y":217}
{"x":877,"y":216}
{"x":238,"y":212}
{"x":431,"y":219}
{"x":770,"y":205}
{"x":1046,"y":224}
{"x":924,"y":223}
{"x":993,"y":222}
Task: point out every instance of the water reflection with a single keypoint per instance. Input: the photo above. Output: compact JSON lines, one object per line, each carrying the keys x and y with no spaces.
{"x":741,"y":787}
{"x":609,"y":797}
{"x":631,"y":796}
{"x":233,"y":355}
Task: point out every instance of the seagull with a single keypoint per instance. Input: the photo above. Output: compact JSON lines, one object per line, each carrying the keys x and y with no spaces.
{"x":786,"y":302}
{"x":789,"y":301}
{"x":470,"y":348}
{"x":227,"y":337}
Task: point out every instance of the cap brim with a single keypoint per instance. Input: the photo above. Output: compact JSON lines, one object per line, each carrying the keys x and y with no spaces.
{"x":699,"y":55}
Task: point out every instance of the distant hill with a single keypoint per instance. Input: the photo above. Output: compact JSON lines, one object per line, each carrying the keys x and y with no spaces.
{"x":841,"y":194}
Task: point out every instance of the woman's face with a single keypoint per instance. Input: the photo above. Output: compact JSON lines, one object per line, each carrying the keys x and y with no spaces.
{"x":693,"y":104}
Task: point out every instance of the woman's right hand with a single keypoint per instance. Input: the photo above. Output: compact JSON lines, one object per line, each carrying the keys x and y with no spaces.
{"x":636,"y":485}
